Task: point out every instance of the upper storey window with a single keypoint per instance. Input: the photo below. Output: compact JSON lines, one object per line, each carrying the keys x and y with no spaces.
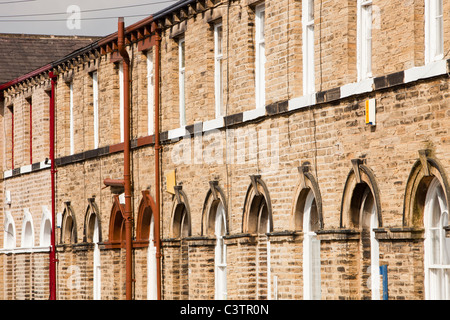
{"x":434,"y":30}
{"x":218,"y":57}
{"x":150,"y":93}
{"x":181,"y":77}
{"x":364,"y":39}
{"x":308,"y":47}
{"x":260,"y":44}
{"x":95,"y":105}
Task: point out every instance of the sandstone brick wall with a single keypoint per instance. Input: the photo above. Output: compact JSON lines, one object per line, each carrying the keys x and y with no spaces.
{"x":410,"y":117}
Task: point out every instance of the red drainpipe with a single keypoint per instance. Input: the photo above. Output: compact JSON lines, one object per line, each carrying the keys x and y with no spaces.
{"x":126,"y":161}
{"x":157,"y":171}
{"x":52,"y":268}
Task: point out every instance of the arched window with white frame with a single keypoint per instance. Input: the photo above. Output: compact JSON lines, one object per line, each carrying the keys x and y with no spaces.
{"x":9,"y":239}
{"x":97,"y":260}
{"x":27,"y":240}
{"x":152,"y":293}
{"x":311,"y":250}
{"x":437,"y":246}
{"x":220,"y":261}
{"x":46,"y":228}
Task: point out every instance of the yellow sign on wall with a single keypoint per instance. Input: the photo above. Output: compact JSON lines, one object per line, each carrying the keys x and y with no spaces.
{"x":170,"y":181}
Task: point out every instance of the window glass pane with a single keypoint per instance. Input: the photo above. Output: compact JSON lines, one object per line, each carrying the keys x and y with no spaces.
{"x":262,"y":25}
{"x":310,"y":10}
{"x":439,"y":35}
{"x":219,"y":40}
{"x":182,"y":54}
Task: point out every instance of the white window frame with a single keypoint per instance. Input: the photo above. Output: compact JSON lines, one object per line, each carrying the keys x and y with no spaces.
{"x":364,"y":43}
{"x":122,"y":103}
{"x":150,"y":93}
{"x":437,"y":246}
{"x":308,"y":47}
{"x":95,"y":107}
{"x":220,"y":261}
{"x":218,"y":69}
{"x":182,"y":80}
{"x":9,"y":239}
{"x":311,"y":254}
{"x":434,"y":30}
{"x":46,"y":228}
{"x":260,"y":77}
{"x":97,"y":287}
{"x":27,"y":240}
{"x":71,"y":120}
{"x":152,"y":290}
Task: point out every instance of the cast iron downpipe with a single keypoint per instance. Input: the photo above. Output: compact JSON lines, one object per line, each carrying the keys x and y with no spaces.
{"x":157,"y":172}
{"x":52,"y":267}
{"x":128,"y":218}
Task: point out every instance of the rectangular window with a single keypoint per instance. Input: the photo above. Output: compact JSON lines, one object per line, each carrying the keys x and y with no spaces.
{"x":122,"y":102}
{"x":30,"y":133}
{"x":11,"y":109}
{"x":308,"y":47}
{"x":434,"y":30}
{"x":71,"y":120}
{"x":95,"y":106}
{"x":364,"y":39}
{"x":218,"y":67}
{"x":260,"y":83}
{"x":181,"y":75}
{"x":150,"y":93}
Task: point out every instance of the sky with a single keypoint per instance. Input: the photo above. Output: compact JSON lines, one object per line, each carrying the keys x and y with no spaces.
{"x":73,"y":17}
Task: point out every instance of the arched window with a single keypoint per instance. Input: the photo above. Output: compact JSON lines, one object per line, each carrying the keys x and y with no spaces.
{"x":182,"y":225}
{"x":46,"y":228}
{"x":215,"y":224}
{"x":360,"y":210}
{"x":145,"y":233}
{"x":27,"y":230}
{"x":117,"y":225}
{"x":308,"y":218}
{"x":257,"y":208}
{"x":97,"y":261}
{"x":368,"y":223}
{"x":69,"y":225}
{"x":311,"y":250}
{"x":257,"y":220}
{"x":9,"y":239}
{"x":92,"y":233}
{"x":220,"y":260}
{"x":152,"y":293}
{"x":426,"y":206}
{"x":181,"y":229}
{"x":181,"y":219}
{"x":437,"y":246}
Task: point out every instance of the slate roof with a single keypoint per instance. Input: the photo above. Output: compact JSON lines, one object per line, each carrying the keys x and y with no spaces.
{"x":23,"y":53}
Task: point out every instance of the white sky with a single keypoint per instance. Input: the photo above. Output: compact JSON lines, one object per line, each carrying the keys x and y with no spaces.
{"x":11,"y":22}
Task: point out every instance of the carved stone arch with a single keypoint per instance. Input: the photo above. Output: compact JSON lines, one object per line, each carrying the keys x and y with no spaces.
{"x":68,"y":225}
{"x":358,"y":180}
{"x":257,"y":207}
{"x":214,"y":197}
{"x":92,"y":213}
{"x":306,"y":184}
{"x":424,"y":170}
{"x":180,"y":226}
{"x":146,"y":209}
